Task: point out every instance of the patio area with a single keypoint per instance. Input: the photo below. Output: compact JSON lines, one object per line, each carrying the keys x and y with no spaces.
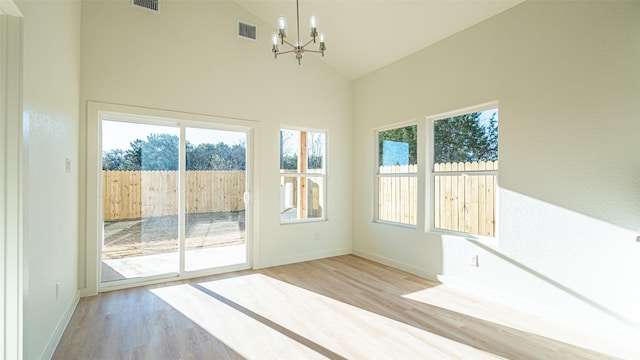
{"x":149,"y":246}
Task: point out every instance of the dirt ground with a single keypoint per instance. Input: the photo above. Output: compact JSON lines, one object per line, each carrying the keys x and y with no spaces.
{"x":156,"y":235}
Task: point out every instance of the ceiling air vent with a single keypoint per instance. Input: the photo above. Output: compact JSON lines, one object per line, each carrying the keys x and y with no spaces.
{"x":247,"y":31}
{"x":150,"y":5}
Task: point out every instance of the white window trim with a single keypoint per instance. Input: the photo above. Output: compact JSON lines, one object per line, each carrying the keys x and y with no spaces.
{"x":324,"y":175}
{"x":377,"y":175}
{"x":476,"y":108}
{"x":491,"y":241}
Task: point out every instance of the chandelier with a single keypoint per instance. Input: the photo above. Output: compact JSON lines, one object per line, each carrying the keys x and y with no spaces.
{"x":279,"y":37}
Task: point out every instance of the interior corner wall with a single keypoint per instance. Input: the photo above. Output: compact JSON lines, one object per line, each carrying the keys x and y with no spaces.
{"x":51,"y":84}
{"x":188,"y":58}
{"x":567,"y":79}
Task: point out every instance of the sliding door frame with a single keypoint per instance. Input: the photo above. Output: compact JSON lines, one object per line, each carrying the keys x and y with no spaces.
{"x":96,"y":112}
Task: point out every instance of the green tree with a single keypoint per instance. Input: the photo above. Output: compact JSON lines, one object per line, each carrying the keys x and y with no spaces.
{"x":218,"y":156}
{"x":199,"y":157}
{"x":113,"y":160}
{"x":133,"y":155}
{"x":289,"y":162}
{"x":463,"y":138}
{"x":160,"y":152}
{"x":239,"y":157}
{"x":314,"y":162}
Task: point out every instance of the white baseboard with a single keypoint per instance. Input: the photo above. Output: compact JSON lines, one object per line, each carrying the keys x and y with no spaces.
{"x":396,"y":264}
{"x":62,"y":325}
{"x":300,"y":258}
{"x":86,"y":292}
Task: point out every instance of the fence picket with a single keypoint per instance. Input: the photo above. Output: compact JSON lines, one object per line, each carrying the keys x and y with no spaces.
{"x":473,"y":196}
{"x":136,"y":194}
{"x":482,"y":196}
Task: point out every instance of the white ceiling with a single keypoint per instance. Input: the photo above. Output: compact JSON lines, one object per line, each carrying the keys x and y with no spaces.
{"x":365,"y":35}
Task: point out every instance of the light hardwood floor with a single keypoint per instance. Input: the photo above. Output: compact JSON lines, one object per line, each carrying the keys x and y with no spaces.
{"x":343,"y":307}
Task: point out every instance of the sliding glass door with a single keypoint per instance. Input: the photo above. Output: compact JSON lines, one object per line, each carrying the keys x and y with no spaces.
{"x":139,"y":200}
{"x":215,"y":188}
{"x":173,"y":200}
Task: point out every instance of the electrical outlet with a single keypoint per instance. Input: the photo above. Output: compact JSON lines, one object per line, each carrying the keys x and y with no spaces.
{"x":68,"y":166}
{"x":57,"y":290}
{"x":474,"y":260}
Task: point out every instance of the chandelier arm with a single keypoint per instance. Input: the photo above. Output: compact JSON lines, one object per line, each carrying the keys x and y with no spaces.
{"x":313,"y":51}
{"x":308,"y":42}
{"x":288,"y":43}
{"x":286,"y":52}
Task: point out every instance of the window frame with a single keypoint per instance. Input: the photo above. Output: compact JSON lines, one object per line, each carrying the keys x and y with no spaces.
{"x":431,"y":174}
{"x":298,"y":174}
{"x":378,"y":175}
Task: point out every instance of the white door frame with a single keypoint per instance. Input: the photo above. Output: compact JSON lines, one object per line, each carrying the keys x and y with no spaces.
{"x":11,"y":181}
{"x":94,"y":193}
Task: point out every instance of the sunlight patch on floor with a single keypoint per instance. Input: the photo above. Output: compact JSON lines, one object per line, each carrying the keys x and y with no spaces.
{"x":343,"y":329}
{"x":554,"y":326}
{"x":245,"y":335}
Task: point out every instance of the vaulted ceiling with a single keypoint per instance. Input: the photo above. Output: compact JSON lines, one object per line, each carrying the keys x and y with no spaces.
{"x":365,"y":35}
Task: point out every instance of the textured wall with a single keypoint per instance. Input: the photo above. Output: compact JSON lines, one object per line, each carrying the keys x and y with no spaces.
{"x":566,"y":77}
{"x":51,"y":105}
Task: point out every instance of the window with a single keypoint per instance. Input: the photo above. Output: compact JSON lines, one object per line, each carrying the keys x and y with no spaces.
{"x":465,"y":171}
{"x":397,"y":182}
{"x":302,"y":175}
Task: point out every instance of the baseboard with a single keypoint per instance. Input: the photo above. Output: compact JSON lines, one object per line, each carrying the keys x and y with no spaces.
{"x":62,"y":325}
{"x":396,"y":264}
{"x":300,"y":258}
{"x":87,"y":292}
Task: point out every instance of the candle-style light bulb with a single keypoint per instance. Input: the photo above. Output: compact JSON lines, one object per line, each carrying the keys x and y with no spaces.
{"x":282,"y":22}
{"x":313,"y":22}
{"x":323,"y":47}
{"x":274,"y":38}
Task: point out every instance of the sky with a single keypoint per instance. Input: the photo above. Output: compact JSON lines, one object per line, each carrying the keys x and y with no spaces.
{"x":485,"y":116}
{"x":118,"y":135}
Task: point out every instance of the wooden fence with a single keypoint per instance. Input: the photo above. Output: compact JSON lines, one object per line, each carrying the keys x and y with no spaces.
{"x":462,"y":202}
{"x":137,"y":194}
{"x":465,"y":202}
{"x":398,"y":195}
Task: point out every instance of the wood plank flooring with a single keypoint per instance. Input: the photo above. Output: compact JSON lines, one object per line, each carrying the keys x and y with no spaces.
{"x":343,"y":307}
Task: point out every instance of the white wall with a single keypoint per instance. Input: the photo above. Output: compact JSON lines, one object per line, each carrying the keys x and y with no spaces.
{"x":567,"y":78}
{"x":51,"y":104}
{"x":189,"y":59}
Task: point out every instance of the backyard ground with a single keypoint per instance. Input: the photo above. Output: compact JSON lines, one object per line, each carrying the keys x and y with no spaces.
{"x":157,"y":235}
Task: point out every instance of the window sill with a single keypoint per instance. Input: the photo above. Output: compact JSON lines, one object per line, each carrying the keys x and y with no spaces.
{"x":492,"y":242}
{"x":302,"y":221}
{"x":396,"y":224}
